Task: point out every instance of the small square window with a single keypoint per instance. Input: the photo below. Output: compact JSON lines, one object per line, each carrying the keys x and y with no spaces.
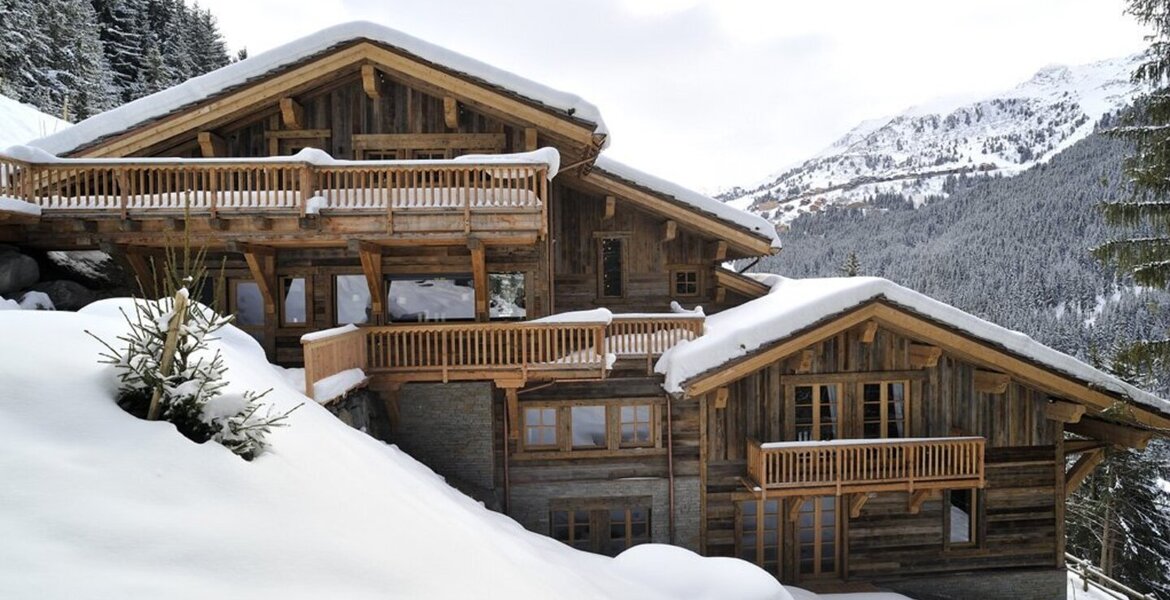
{"x":540,"y":427}
{"x":588,"y":424}
{"x":635,"y":425}
{"x":686,"y":282}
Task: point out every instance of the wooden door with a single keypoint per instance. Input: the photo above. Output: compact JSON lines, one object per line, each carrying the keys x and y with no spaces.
{"x":817,"y":535}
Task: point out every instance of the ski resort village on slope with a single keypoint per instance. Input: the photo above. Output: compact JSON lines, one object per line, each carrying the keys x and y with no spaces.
{"x":446,"y":268}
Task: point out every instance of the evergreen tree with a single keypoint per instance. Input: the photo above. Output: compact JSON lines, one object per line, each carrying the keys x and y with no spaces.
{"x":851,"y":267}
{"x":121,"y":41}
{"x":1147,"y":255}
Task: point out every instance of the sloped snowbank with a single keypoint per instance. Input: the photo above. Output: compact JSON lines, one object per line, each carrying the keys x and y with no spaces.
{"x":99,"y":504}
{"x":20,"y":123}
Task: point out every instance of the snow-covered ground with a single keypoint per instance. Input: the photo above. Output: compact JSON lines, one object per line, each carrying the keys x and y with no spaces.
{"x":99,"y":504}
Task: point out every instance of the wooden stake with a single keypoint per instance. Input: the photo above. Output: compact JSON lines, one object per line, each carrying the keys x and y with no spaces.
{"x":168,"y":357}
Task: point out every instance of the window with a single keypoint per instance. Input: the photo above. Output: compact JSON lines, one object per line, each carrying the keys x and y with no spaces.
{"x":351,"y":299}
{"x":686,"y":282}
{"x":960,"y":518}
{"x":540,"y":427}
{"x":612,"y":267}
{"x":818,"y":411}
{"x":816,"y":536}
{"x":435,"y":154}
{"x":293,"y":309}
{"x":577,"y":428}
{"x":635,"y":425}
{"x":604,"y":525}
{"x":247,"y":304}
{"x":588,"y":426}
{"x":508,"y":296}
{"x":883,"y":409}
{"x":377,"y":154}
{"x":431,"y":299}
{"x":757,"y":533}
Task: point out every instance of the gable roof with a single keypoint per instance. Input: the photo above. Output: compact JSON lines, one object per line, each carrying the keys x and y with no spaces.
{"x":198,"y":89}
{"x":752,"y":224}
{"x":795,"y":306}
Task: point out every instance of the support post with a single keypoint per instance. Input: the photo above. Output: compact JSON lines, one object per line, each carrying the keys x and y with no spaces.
{"x":370,"y":82}
{"x":371,"y":259}
{"x":1081,"y":470}
{"x":479,"y":277}
{"x":451,"y":113}
{"x":211,"y":145}
{"x":292,"y":114}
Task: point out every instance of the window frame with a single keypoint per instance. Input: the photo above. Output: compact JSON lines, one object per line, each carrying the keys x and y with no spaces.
{"x":555,"y":425}
{"x":388,"y":282}
{"x":233,"y":303}
{"x":601,"y":521}
{"x":525,"y":275}
{"x":564,"y":448}
{"x":283,"y":310}
{"x":760,"y":548}
{"x":839,"y":420}
{"x":623,"y":264}
{"x":976,"y":519}
{"x":333,"y":283}
{"x":884,"y":418}
{"x":686,"y":270}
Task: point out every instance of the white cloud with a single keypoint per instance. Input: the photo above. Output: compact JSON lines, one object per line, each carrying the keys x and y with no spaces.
{"x":719,"y":92}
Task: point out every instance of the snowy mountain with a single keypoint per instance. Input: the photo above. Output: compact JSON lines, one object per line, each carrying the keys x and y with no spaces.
{"x":21,"y":123}
{"x":913,"y":153}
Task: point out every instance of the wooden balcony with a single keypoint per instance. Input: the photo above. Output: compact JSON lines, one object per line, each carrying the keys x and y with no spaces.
{"x":504,"y":352}
{"x":407,"y":197}
{"x":855,"y":466}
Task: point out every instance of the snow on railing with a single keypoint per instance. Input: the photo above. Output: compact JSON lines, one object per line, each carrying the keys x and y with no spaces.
{"x":1091,"y":575}
{"x":648,"y":335}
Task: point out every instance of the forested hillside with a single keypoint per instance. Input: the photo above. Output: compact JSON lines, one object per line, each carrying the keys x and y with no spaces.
{"x":76,"y":58}
{"x":1011,"y":250}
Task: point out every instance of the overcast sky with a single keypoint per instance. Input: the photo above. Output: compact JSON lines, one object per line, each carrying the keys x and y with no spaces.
{"x":723,"y":92}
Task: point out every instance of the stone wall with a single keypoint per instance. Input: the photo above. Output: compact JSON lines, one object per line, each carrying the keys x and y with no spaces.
{"x":448,"y":427}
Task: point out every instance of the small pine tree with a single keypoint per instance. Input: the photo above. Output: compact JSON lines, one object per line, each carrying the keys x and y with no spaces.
{"x":166,"y":371}
{"x":851,"y":267}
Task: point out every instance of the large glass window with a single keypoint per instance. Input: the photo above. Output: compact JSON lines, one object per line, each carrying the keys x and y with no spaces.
{"x":351,"y":299}
{"x":883,"y":409}
{"x":612,"y":251}
{"x":294,"y":309}
{"x":508,"y":296}
{"x":432,"y":299}
{"x":247,"y":304}
{"x":589,"y":427}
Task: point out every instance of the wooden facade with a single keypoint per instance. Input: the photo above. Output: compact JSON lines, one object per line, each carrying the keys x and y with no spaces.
{"x":942,"y":454}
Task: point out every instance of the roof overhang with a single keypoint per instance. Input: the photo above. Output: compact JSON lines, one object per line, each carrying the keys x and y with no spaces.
{"x":289,"y":80}
{"x":957,"y":343}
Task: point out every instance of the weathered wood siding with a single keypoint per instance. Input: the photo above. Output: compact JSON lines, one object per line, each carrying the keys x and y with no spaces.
{"x":887,"y":541}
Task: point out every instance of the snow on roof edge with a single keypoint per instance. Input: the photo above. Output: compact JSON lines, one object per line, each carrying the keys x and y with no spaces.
{"x":196,"y":89}
{"x":795,"y":305}
{"x":755,"y":224}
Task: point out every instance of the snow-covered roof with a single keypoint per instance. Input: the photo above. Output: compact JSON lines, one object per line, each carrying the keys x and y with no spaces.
{"x":796,"y":304}
{"x":205,"y":86}
{"x":755,"y":224}
{"x":21,"y":122}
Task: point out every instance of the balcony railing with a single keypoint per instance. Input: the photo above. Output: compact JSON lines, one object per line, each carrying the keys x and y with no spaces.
{"x":849,"y":466}
{"x":525,"y":351}
{"x":464,"y":194}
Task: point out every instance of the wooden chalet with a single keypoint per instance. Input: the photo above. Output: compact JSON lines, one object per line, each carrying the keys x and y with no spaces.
{"x":455,"y":232}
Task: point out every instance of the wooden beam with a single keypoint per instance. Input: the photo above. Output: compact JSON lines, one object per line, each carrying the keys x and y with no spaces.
{"x":669,"y":231}
{"x":1080,"y":446}
{"x":740,"y":284}
{"x":610,"y":208}
{"x":991,"y":382}
{"x":512,"y":400}
{"x":530,"y":139}
{"x":917,"y":499}
{"x":1064,"y":412}
{"x":856,"y":501}
{"x":211,"y":145}
{"x":869,"y":332}
{"x":451,"y":112}
{"x":370,"y":82}
{"x":924,"y":356}
{"x":1081,"y":470}
{"x":479,"y":276}
{"x":720,"y":251}
{"x":721,"y":397}
{"x":794,"y":508}
{"x":720,"y":295}
{"x":1118,"y":435}
{"x":262,"y":264}
{"x":292,"y":114}
{"x":298,"y":134}
{"x":371,"y":258}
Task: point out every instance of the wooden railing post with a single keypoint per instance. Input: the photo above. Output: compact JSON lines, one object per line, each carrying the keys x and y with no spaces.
{"x":306,"y":186}
{"x":213,"y":192}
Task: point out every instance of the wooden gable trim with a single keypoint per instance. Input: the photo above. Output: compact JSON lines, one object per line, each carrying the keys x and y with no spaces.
{"x":960,"y":345}
{"x":709,"y":226}
{"x":268,"y":90}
